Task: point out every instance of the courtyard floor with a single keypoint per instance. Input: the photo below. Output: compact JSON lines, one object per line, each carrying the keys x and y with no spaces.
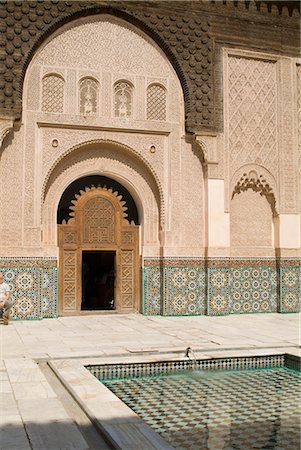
{"x":36,"y":411}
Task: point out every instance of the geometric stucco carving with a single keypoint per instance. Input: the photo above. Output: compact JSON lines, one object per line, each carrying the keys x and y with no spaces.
{"x":88,"y":161}
{"x":118,"y":148}
{"x":298,"y":73}
{"x":156,"y":102}
{"x":258,"y":183}
{"x":252,"y":112}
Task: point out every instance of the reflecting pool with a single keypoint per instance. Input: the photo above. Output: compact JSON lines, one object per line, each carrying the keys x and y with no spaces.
{"x":196,"y":410}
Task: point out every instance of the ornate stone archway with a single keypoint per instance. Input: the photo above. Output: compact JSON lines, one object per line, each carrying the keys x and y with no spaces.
{"x":98,"y":223}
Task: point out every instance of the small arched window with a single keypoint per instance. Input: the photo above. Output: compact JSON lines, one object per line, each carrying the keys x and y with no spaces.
{"x":123,"y":101}
{"x":53,"y":94}
{"x":88,"y":97}
{"x":156,"y":102}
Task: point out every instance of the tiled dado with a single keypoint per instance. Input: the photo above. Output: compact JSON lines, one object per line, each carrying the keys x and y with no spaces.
{"x":219,"y":286}
{"x":174,"y":286}
{"x":33,"y":286}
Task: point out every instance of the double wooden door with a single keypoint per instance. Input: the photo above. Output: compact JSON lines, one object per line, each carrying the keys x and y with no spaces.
{"x":98,"y":223}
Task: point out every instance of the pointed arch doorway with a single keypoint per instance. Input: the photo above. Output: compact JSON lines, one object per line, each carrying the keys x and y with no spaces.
{"x":99,"y":266}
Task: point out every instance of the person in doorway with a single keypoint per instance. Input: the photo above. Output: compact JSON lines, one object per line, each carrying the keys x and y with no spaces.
{"x":5,"y":302}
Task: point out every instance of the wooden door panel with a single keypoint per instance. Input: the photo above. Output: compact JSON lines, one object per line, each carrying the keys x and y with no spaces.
{"x":98,"y":224}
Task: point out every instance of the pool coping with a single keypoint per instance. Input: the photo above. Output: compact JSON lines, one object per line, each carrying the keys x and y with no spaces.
{"x":123,"y":428}
{"x":120,"y":424}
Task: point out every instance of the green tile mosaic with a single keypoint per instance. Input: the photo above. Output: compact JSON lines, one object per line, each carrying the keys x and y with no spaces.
{"x":152,"y":285}
{"x":253,"y":289}
{"x":184,"y":289}
{"x":208,"y":410}
{"x":290,"y":289}
{"x":220,"y":286}
{"x":117,"y":371}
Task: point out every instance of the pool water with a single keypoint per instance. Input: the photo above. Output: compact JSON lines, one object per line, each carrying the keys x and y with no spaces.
{"x":196,"y":410}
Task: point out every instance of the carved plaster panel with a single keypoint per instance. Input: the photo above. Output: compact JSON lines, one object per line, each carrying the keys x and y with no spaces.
{"x":32,"y":95}
{"x":298,"y":73}
{"x":130,"y":173}
{"x":252,"y":112}
{"x":252,"y":118}
{"x":95,"y":54}
{"x":69,"y":138}
{"x":259,"y":115}
{"x":30,"y":174}
{"x":288,"y":158}
{"x":11,"y":177}
{"x":94,"y":37}
{"x":188,"y":195}
{"x":250,"y":220}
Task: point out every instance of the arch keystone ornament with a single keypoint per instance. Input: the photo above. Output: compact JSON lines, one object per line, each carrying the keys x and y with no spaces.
{"x":98,"y":222}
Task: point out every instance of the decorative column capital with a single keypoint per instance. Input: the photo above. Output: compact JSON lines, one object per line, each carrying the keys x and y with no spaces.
{"x":206,"y":145}
{"x":6,"y":125}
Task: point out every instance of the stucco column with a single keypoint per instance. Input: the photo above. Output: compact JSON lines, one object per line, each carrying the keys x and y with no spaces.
{"x":218,"y":230}
{"x":289,"y":231}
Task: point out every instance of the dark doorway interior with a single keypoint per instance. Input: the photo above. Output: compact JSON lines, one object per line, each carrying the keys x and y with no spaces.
{"x":98,"y":279}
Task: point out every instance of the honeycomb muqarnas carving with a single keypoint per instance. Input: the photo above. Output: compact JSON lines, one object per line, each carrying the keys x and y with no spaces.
{"x":185,"y":39}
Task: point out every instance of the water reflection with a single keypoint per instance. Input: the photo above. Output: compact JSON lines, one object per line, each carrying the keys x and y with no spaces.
{"x":256,"y":409}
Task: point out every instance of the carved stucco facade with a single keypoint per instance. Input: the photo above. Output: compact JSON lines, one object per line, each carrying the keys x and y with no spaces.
{"x":206,"y":200}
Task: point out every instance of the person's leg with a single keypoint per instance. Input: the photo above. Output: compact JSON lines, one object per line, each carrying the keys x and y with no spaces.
{"x":6,"y":311}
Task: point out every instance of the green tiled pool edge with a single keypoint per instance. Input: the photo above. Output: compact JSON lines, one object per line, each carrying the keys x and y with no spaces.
{"x":126,"y":370}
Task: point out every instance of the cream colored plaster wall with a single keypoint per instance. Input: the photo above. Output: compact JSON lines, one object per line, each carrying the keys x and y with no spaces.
{"x":251,"y":221}
{"x":289,"y":231}
{"x":218,"y":219}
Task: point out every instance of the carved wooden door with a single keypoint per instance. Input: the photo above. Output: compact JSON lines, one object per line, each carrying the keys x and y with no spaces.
{"x":98,"y":222}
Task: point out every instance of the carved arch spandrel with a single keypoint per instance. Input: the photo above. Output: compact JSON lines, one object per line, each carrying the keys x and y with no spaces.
{"x":85,"y":161}
{"x":257,"y":178}
{"x":100,"y":148}
{"x":98,"y":222}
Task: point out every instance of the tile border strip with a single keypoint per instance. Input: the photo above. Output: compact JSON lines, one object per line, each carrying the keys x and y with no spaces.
{"x":129,"y":370}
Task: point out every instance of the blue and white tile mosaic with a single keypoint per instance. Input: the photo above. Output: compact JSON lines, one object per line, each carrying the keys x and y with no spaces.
{"x":33,"y":286}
